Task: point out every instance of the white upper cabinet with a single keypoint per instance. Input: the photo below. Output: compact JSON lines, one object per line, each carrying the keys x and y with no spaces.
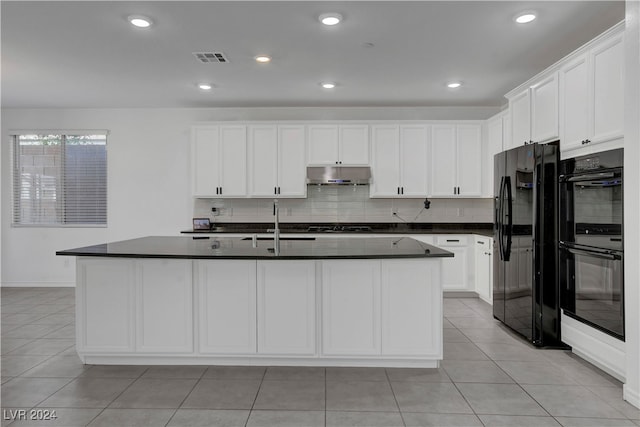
{"x":219,"y":161}
{"x":276,"y":161}
{"x":592,"y":98}
{"x":399,"y":160}
{"x":534,"y":112}
{"x":574,"y":102}
{"x":333,"y":144}
{"x":456,"y":160}
{"x":607,"y":65}
{"x":263,"y":160}
{"x":292,"y":173}
{"x":544,"y":109}
{"x":493,"y":144}
{"x":520,"y":110}
{"x":414,"y":155}
{"x":385,"y":161}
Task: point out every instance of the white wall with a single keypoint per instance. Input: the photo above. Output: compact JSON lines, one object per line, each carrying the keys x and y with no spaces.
{"x":148,"y":174}
{"x":632,"y":202}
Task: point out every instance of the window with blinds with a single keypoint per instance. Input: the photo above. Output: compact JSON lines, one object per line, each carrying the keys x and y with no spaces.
{"x":60,"y":180}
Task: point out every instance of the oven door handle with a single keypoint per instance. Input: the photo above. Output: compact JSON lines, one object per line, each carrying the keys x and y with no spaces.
{"x":590,"y":177}
{"x":610,"y":256}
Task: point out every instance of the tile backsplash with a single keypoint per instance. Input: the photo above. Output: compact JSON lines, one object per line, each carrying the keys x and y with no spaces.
{"x":342,"y":204}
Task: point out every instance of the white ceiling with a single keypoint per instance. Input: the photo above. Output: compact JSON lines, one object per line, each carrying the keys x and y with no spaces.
{"x":85,"y":54}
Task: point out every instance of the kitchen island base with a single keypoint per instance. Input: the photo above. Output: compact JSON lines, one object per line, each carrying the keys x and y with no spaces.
{"x":280,"y":312}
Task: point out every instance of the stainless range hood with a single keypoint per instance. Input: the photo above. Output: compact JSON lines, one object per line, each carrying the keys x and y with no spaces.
{"x":338,"y":175}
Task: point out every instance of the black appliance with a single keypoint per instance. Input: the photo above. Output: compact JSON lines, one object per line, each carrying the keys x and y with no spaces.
{"x":339,"y":229}
{"x":591,"y":240}
{"x":525,"y":287}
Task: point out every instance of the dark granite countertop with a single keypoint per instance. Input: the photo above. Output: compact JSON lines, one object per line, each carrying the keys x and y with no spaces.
{"x":483,"y":229}
{"x":215,"y":247}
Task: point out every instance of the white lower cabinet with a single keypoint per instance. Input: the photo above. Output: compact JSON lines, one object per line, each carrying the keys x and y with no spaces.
{"x":411,"y":295}
{"x":164,"y":306}
{"x":286,"y":307}
{"x":227,"y":306}
{"x":105,"y":309}
{"x":483,"y":276}
{"x":455,"y":271}
{"x":350,"y":307}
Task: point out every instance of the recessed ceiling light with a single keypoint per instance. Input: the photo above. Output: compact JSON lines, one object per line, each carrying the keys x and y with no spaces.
{"x":330,"y":18}
{"x":263,"y":59}
{"x":524,"y":18}
{"x":454,"y":85}
{"x":140,"y":21}
{"x":328,"y":85}
{"x":205,"y":86}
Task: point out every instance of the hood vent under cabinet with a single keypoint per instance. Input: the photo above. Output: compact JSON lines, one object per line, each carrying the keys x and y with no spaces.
{"x":338,"y":175}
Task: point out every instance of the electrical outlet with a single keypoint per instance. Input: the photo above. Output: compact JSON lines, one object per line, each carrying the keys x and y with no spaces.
{"x":215,"y":211}
{"x":460,"y":211}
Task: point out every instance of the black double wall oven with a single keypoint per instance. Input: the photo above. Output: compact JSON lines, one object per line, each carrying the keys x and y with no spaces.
{"x":591,"y":240}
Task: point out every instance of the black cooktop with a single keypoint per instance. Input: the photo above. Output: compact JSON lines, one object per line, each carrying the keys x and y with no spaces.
{"x":339,"y":229}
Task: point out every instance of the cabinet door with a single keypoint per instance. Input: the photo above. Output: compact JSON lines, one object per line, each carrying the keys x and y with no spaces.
{"x":205,"y":146}
{"x":164,"y":306}
{"x":354,"y":144}
{"x":574,"y":103}
{"x":443,"y":160}
{"x":233,"y":161}
{"x":292,"y":173}
{"x":455,"y":271}
{"x":544,"y":110}
{"x":607,"y":63}
{"x":492,"y":146}
{"x":350,"y":307}
{"x":520,"y":108}
{"x":385,"y":161}
{"x":483,"y":267}
{"x":411,"y":307}
{"x":227,"y":306}
{"x":469,"y":160}
{"x":506,"y":132}
{"x":263,"y":160}
{"x":105,"y":311}
{"x":323,"y":145}
{"x":286,"y":307}
{"x":414,"y":167}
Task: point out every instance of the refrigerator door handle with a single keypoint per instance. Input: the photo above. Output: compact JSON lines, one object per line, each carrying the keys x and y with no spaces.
{"x":507,"y":246}
{"x":499,"y":216}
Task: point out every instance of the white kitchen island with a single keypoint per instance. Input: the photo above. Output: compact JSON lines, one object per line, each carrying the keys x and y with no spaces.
{"x":223,"y":301}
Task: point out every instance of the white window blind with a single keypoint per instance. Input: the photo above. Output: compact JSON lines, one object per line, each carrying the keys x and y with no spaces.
{"x":60,"y":179}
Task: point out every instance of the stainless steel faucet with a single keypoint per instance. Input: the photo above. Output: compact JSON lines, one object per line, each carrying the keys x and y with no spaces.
{"x":276,"y":229}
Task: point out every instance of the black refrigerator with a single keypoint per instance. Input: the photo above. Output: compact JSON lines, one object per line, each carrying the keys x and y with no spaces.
{"x":525,"y":285}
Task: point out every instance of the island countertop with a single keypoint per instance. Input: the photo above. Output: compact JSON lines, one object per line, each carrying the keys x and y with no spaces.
{"x":210,"y":247}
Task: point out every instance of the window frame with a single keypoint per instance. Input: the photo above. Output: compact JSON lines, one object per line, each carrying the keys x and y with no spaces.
{"x":64,"y":134}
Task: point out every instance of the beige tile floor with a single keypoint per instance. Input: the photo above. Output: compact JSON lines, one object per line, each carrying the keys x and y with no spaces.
{"x":488,"y":378}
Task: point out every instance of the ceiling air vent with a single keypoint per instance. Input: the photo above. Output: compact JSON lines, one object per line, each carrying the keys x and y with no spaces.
{"x":210,"y":57}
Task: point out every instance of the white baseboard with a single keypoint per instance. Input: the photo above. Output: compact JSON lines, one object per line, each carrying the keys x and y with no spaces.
{"x":631,"y":396}
{"x":597,"y":348}
{"x":38,"y":285}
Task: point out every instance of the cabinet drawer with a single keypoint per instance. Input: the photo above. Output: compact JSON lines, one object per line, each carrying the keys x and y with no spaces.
{"x":452,"y":240}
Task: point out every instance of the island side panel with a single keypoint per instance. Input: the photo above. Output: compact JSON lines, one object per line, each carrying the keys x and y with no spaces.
{"x":412,"y":308}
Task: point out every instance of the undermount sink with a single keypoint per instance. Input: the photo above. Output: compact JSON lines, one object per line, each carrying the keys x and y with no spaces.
{"x":281,"y":238}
